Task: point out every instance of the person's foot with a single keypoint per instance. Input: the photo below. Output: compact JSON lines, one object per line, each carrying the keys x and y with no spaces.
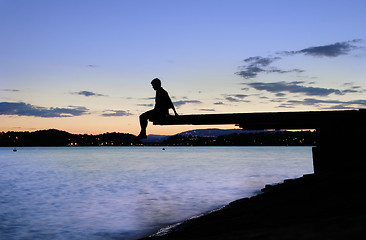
{"x":141,"y":136}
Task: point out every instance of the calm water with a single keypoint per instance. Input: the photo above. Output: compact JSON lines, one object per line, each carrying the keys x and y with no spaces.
{"x":128,"y":192}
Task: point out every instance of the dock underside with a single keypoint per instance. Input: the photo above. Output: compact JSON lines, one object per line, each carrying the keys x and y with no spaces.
{"x":342,"y":134}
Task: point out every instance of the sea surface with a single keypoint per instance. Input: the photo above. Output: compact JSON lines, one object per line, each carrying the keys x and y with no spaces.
{"x":128,"y":192}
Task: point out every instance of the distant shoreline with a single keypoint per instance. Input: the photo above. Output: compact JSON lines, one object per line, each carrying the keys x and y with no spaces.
{"x":200,"y":137}
{"x":309,"y":207}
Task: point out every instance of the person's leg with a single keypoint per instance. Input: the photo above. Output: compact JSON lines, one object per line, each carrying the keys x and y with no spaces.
{"x":143,"y":123}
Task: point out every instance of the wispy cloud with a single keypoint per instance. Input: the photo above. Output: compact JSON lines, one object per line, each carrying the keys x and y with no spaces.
{"x":88,"y":94}
{"x":24,"y":109}
{"x":236,"y":97}
{"x":149,"y":98}
{"x":293,"y":87}
{"x":176,"y":103}
{"x":145,"y":105}
{"x":351,"y":88}
{"x":331,"y":50}
{"x":325,"y":104}
{"x":255,"y":65}
{"x":182,"y":102}
{"x":219,"y":103}
{"x":115,"y":113}
{"x":92,"y":66}
{"x":9,"y":90}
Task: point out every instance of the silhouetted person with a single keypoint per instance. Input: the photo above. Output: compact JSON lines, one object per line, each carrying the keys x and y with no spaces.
{"x":162,"y":105}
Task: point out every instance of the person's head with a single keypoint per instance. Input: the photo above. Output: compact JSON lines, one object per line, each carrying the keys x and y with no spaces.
{"x":156,"y":83}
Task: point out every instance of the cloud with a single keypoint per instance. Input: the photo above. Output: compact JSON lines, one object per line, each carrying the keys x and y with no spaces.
{"x":208,"y":109}
{"x":10,"y":90}
{"x":145,"y":105}
{"x":325,"y":104}
{"x":331,"y":50}
{"x":236,"y":98}
{"x":92,"y":65}
{"x":276,"y":70}
{"x":149,"y":98}
{"x":176,"y":103}
{"x":260,"y":61}
{"x":353,"y":89}
{"x":218,"y":103}
{"x":256,"y":65}
{"x":24,"y":109}
{"x":241,"y":96}
{"x":88,"y":94}
{"x":115,"y":113}
{"x":182,"y":102}
{"x":293,"y":87}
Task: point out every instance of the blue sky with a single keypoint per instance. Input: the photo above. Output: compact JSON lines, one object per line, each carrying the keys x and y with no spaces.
{"x":86,"y":66}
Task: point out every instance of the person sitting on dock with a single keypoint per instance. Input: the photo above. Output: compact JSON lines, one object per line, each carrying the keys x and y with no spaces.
{"x":162,"y":105}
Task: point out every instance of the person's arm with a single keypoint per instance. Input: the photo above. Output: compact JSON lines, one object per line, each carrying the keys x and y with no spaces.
{"x":175,"y":112}
{"x":171,"y":105}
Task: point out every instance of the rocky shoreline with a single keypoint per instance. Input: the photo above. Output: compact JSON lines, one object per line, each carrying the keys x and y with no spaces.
{"x":310,"y":207}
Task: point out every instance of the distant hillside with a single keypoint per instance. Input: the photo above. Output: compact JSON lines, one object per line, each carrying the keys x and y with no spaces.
{"x":213,"y":132}
{"x":53,"y":137}
{"x":198,"y":137}
{"x":155,"y":139}
{"x":246,"y":138}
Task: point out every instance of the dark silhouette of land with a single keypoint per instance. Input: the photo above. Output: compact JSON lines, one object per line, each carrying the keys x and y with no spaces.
{"x":311,"y":207}
{"x":264,"y":138}
{"x":53,"y":137}
{"x":161,"y":110}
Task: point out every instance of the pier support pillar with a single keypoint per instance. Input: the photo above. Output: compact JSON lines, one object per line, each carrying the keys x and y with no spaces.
{"x":341,"y":149}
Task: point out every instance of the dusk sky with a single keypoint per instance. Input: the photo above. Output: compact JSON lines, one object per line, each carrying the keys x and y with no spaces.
{"x":85,"y":66}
